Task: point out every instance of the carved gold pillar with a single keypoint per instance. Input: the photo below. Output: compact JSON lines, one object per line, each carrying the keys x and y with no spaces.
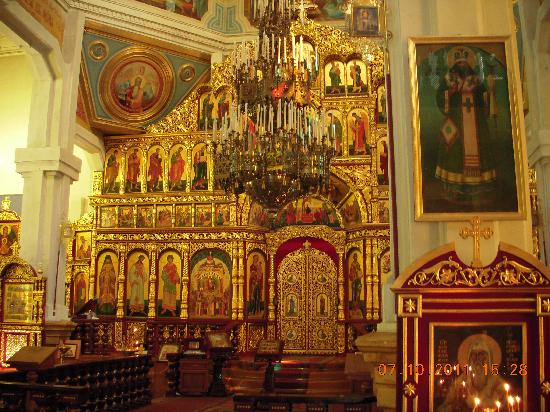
{"x":122,"y":174}
{"x":375,"y":279}
{"x":120,"y":293}
{"x":271,"y":286}
{"x":143,"y":174}
{"x":241,"y":282}
{"x":368,"y":279}
{"x":210,"y":163}
{"x":165,"y":169}
{"x":184,"y":281}
{"x":93,"y":253}
{"x":234,"y":280}
{"x":188,"y":169}
{"x":341,"y":315}
{"x":152,"y":282}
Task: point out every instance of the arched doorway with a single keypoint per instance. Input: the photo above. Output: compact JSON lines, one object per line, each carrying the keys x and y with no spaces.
{"x":307,"y":312}
{"x":307,"y":287}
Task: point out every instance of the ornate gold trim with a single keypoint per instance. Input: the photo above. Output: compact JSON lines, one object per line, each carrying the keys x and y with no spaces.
{"x":336,"y":237}
{"x":153,"y":58}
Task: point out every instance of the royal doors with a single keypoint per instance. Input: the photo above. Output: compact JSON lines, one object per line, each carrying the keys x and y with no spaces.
{"x":307,"y":292}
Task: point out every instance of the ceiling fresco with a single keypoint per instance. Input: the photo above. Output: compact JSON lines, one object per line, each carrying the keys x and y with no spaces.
{"x":127,"y":85}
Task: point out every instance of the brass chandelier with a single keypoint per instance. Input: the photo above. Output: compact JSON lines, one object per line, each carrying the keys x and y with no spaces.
{"x":273,"y":143}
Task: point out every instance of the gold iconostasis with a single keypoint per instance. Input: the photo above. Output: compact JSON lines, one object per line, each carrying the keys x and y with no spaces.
{"x":168,"y":254}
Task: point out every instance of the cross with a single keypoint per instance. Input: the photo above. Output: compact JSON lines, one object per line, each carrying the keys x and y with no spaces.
{"x":307,"y":244}
{"x":477,"y":233}
{"x":6,"y":203}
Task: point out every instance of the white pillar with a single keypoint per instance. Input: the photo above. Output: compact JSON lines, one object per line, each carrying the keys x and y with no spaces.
{"x":48,"y":165}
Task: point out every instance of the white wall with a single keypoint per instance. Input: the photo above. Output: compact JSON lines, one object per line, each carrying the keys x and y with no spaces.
{"x":16,"y":85}
{"x":82,"y":188}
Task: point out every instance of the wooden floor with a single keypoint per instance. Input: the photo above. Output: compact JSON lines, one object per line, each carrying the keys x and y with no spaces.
{"x":205,"y":404}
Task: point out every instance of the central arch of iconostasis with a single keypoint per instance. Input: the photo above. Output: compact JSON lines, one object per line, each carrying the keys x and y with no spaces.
{"x":168,"y":255}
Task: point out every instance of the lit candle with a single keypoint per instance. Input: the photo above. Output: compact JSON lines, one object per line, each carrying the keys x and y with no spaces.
{"x":511,"y":403}
{"x":497,"y":403}
{"x":517,"y":401}
{"x":476,"y":404}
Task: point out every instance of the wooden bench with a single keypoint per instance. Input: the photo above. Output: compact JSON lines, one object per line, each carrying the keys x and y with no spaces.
{"x":281,"y":402}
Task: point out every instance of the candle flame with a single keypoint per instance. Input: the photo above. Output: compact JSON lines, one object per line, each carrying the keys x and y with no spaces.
{"x":497,"y":403}
{"x":511,"y":400}
{"x":477,"y":401}
{"x":506,"y":387}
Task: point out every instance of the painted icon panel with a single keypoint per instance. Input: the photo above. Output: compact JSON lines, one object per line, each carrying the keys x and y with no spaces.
{"x":168,"y":302}
{"x":356,"y":77}
{"x":222,"y":215}
{"x":356,"y":299}
{"x":112,"y":175}
{"x":177,"y":177}
{"x":80,"y":290}
{"x":83,"y":245}
{"x":351,"y":212}
{"x":199,"y":173}
{"x":164,"y":215}
{"x":335,"y":78}
{"x":358,"y":130}
{"x":108,"y":216}
{"x":335,"y":131}
{"x":144,"y":216}
{"x":134,"y":167}
{"x":126,"y":216}
{"x":155,"y":162}
{"x":203,"y":215}
{"x":107,"y":273}
{"x":256,"y":267}
{"x":183,"y":215}
{"x":210,"y":291}
{"x":137,"y":286}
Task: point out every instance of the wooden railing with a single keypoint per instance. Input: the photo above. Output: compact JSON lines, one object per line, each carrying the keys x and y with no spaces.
{"x":118,"y":383}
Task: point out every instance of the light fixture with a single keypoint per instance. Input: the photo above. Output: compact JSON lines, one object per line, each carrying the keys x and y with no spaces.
{"x":273,"y":143}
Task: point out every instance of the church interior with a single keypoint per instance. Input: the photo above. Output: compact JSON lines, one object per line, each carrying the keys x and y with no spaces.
{"x":275,"y":205}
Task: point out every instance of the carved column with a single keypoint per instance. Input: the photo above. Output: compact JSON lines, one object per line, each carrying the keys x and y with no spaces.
{"x":121,"y":280}
{"x":122,"y":187}
{"x":341,"y":315}
{"x":184,"y":281}
{"x":374,"y":279}
{"x":210,"y":150}
{"x":152,"y":283}
{"x":234,"y":280}
{"x":368,"y":280}
{"x":271,"y":286}
{"x":92,"y":277}
{"x":241,"y":282}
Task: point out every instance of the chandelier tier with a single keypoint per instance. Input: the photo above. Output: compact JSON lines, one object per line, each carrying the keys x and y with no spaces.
{"x":273,"y":144}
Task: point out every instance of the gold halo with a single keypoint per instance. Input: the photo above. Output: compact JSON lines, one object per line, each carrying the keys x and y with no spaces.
{"x":464,"y":348}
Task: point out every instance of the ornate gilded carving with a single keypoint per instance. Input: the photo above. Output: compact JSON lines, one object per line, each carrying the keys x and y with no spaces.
{"x":307,"y":305}
{"x":335,"y":237}
{"x":450,"y":273}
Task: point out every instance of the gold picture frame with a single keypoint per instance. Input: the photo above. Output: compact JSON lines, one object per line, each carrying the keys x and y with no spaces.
{"x":126,"y":98}
{"x":457,"y":84}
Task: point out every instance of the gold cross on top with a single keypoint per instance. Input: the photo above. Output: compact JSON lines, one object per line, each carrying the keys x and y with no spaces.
{"x":476,"y":232}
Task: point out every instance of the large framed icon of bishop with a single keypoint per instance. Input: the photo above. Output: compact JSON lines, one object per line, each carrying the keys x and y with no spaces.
{"x":467,"y":142}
